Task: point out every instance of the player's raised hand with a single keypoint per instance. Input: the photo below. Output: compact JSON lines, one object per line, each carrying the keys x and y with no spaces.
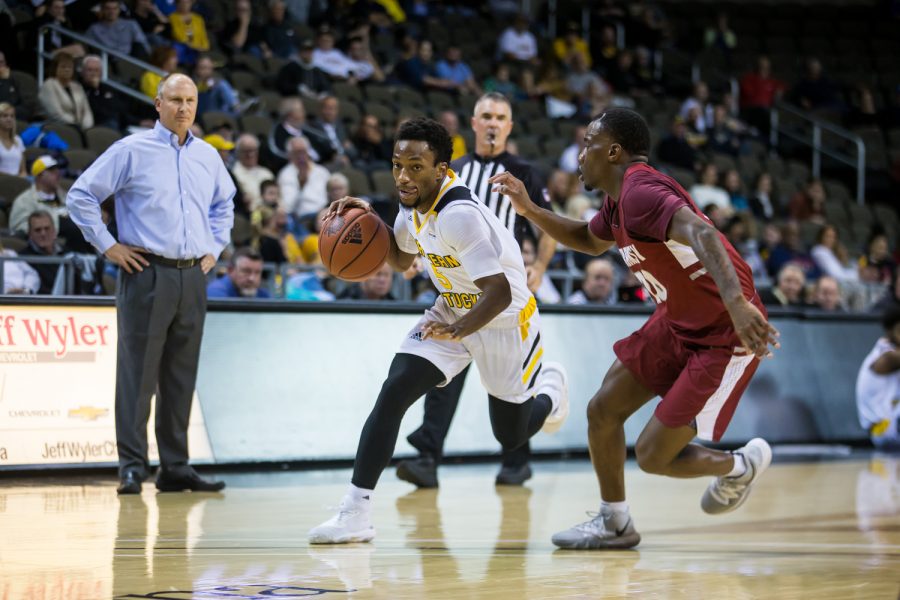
{"x":346,"y":203}
{"x":513,"y":188}
{"x":755,"y":332}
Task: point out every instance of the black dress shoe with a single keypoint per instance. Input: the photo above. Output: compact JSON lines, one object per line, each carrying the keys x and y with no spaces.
{"x":130,"y":483}
{"x":513,"y":475}
{"x":421,"y":471}
{"x":169,"y":482}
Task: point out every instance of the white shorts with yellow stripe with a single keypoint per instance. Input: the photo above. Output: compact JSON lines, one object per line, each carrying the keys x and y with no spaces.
{"x":508,"y":359}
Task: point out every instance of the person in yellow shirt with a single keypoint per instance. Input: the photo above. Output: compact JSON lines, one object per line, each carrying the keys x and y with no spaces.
{"x":164,"y":58}
{"x":188,"y":31}
{"x":570,"y":44}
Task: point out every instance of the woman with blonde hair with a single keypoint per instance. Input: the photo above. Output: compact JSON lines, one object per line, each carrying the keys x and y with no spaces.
{"x":12,"y":149}
{"x":62,"y":97}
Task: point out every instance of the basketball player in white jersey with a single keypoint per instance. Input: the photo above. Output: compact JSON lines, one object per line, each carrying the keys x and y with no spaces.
{"x":484,"y":313}
{"x":878,"y":386}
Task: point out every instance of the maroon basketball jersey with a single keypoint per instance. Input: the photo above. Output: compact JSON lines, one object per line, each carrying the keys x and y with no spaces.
{"x":685,"y":294}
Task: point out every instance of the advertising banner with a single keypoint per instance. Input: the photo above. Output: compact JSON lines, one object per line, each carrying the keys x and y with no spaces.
{"x":57,"y":388}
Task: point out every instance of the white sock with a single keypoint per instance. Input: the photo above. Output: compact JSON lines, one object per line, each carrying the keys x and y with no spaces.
{"x":360,"y":497}
{"x":739,"y":468}
{"x":616,"y":507}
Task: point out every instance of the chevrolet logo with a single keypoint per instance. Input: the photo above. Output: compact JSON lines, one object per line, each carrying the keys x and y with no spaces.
{"x":88,"y":413}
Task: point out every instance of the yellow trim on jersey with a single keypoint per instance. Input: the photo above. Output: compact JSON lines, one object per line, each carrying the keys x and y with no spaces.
{"x":879,"y":428}
{"x":534,"y":361}
{"x":430,"y":212}
{"x":524,"y":315}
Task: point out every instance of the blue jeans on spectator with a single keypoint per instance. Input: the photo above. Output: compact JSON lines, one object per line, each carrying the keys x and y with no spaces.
{"x":220,"y":97}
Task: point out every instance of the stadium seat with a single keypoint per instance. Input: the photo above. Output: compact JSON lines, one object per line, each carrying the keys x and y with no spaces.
{"x":383,"y":184}
{"x":10,"y":187}
{"x":68,"y":133}
{"x":439,"y":101}
{"x":346,"y":91}
{"x":245,"y":82}
{"x":79,"y":160}
{"x":380,"y":93}
{"x":359,"y":181}
{"x":100,"y":138}
{"x":258,"y":125}
{"x":214,"y":119}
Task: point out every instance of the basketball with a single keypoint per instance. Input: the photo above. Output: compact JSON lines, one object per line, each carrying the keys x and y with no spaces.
{"x":353,"y":244}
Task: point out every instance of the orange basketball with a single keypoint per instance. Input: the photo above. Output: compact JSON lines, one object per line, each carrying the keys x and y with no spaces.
{"x":353,"y":244}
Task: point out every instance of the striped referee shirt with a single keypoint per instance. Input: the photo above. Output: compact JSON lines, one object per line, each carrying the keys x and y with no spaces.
{"x":474,"y":171}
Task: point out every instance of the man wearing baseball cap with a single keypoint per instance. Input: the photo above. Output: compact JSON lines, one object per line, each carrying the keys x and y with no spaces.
{"x":45,"y":194}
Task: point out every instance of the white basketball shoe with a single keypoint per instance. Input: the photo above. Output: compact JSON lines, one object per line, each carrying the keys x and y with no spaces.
{"x":350,"y":524}
{"x":725,"y":494}
{"x":555,"y":383}
{"x":605,"y":530}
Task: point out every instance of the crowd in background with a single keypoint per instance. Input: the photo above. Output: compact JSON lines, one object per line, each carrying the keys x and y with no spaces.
{"x":301,"y":99}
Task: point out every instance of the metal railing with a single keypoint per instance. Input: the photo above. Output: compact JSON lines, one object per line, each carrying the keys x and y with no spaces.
{"x":68,"y":263}
{"x":813,"y":139}
{"x":104,"y":53}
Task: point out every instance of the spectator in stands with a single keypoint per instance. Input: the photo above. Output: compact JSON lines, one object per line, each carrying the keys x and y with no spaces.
{"x":739,"y":230}
{"x":18,"y":276}
{"x":44,"y":194}
{"x":10,"y":93}
{"x":735,"y":188}
{"x":152,"y":22}
{"x":697,"y":110}
{"x":876,"y":265}
{"x":275,"y":242}
{"x":122,"y":35}
{"x":42,"y":241}
{"x":243,"y":34}
{"x":361,"y":64}
{"x":606,"y":54}
{"x":676,"y":150}
{"x":590,"y":94}
{"x":759,"y":91}
{"x":302,"y":181}
{"x":809,"y":204}
{"x":570,"y":45}
{"x":419,"y":71}
{"x":552,"y":89}
{"x":55,"y":42}
{"x":831,"y":256}
{"x":560,"y":187}
{"x":164,"y":58}
{"x":377,"y":287}
{"x":708,"y":191}
{"x":546,"y":292}
{"x":279,"y":36}
{"x":62,"y":98}
{"x":301,"y":76}
{"x":450,"y":121}
{"x":327,"y":132}
{"x":826,"y":294}
{"x":242,"y":279}
{"x":213,"y":92}
{"x":762,"y":205}
{"x":790,"y":250}
{"x":293,"y":124}
{"x":517,"y":44}
{"x":501,"y":82}
{"x":863,"y":113}
{"x":327,"y":57}
{"x":724,"y":134}
{"x":789,"y":290}
{"x":878,"y":386}
{"x":373,"y":150}
{"x":598,"y":286}
{"x":624,"y":77}
{"x":815,"y":91}
{"x":452,"y":69}
{"x":721,"y":37}
{"x":188,"y":32}
{"x":12,"y":149}
{"x":107,"y":106}
{"x":568,"y":160}
{"x":247,"y":170}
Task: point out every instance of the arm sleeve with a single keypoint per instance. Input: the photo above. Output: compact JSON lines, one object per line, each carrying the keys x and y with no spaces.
{"x":404,"y":238}
{"x":649,"y":207}
{"x":600,"y":223}
{"x":221,"y":209}
{"x":103,"y":178}
{"x":466,"y":232}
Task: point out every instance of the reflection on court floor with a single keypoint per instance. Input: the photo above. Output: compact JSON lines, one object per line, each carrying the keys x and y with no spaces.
{"x":821,"y":530}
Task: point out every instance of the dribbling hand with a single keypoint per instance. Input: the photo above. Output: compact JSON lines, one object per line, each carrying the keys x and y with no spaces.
{"x":127,"y":257}
{"x":346,"y":203}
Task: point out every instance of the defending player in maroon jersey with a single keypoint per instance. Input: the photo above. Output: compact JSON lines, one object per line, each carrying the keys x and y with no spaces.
{"x":697,"y":351}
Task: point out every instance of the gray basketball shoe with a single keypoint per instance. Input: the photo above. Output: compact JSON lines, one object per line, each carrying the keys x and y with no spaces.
{"x":599,"y":533}
{"x":725,"y":494}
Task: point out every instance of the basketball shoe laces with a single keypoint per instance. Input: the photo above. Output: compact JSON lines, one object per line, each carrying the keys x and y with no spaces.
{"x":729,"y":489}
{"x":596,"y":526}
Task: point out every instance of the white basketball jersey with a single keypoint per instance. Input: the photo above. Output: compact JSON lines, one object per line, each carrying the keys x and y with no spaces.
{"x":461,"y":240}
{"x":877,"y":396}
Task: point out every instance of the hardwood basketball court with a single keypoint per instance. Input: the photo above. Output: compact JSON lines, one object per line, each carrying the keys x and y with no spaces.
{"x":826,"y":529}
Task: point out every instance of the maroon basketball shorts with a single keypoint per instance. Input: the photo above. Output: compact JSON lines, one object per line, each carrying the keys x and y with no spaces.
{"x":699,"y":384}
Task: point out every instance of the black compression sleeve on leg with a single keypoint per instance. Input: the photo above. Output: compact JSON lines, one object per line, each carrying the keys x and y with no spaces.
{"x":514,"y":424}
{"x":409,"y":377}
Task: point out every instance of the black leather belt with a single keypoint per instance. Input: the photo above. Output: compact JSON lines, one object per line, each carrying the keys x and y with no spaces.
{"x":178,"y":263}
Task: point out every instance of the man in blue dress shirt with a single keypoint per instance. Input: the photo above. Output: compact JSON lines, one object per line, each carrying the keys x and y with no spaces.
{"x":244,"y":277}
{"x":174,"y":213}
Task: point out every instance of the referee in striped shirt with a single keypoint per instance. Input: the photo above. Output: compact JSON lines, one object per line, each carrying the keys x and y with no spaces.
{"x":492,"y":124}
